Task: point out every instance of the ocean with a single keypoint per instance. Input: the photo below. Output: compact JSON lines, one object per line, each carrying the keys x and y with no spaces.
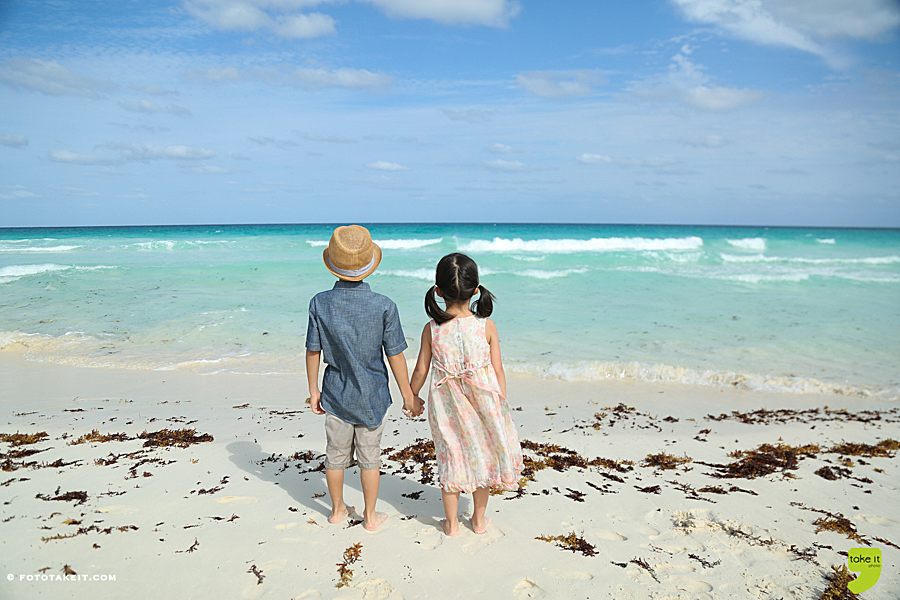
{"x":778,"y":309}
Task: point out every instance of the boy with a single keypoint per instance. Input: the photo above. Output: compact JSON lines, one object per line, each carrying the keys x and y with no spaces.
{"x":351,"y":325}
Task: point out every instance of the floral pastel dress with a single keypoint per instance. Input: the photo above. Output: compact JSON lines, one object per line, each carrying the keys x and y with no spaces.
{"x":475,"y":439}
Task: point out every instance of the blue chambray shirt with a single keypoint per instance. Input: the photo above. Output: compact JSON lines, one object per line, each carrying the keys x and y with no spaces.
{"x":350,"y":324}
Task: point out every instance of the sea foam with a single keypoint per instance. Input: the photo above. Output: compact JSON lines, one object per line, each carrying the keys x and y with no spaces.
{"x":568,"y":246}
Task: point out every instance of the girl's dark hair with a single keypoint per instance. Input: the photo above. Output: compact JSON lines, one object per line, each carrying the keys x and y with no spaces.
{"x":457,"y":278}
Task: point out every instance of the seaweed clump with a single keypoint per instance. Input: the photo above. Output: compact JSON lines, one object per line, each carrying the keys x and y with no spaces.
{"x":665,"y":461}
{"x":21,"y":439}
{"x":176,"y":437}
{"x":351,"y":555}
{"x":884,"y":448}
{"x":765,"y":460}
{"x":420,"y":452}
{"x":570,"y":542}
{"x":95,"y":436}
{"x":837,"y":585}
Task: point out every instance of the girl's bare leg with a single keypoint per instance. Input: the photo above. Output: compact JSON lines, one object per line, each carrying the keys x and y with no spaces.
{"x":450,"y":525}
{"x":479,"y":521}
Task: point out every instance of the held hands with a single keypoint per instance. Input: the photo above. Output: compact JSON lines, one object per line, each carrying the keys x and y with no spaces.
{"x":414,"y":407}
{"x":315,"y":402}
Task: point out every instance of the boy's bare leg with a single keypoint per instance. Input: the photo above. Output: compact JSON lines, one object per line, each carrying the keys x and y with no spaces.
{"x":450,"y":525}
{"x":335,"y":480}
{"x":479,"y":521}
{"x":369,"y":479}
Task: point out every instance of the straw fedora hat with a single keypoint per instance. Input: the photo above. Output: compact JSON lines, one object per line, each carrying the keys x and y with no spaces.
{"x":351,"y":254}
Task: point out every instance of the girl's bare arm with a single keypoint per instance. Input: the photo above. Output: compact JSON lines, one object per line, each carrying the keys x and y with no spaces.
{"x":420,"y":372}
{"x":493,"y":340}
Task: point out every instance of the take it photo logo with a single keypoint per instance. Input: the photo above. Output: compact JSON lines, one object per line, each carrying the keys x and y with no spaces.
{"x":868,"y":562}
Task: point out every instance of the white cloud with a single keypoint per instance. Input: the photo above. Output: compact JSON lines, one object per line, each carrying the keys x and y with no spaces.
{"x":499,"y":149}
{"x":208,"y":169}
{"x":336,"y":139}
{"x":252,"y":15}
{"x":64,"y":156}
{"x":144,"y":152}
{"x":651,"y":161}
{"x":51,"y":78}
{"x":214,"y":75}
{"x":687,"y":82}
{"x":802,"y":24}
{"x":561,"y":85}
{"x":494,"y":13}
{"x":382,"y":165}
{"x":16,"y":192}
{"x":14,"y":141}
{"x":468,"y":115}
{"x":506,"y":165}
{"x":354,"y":79}
{"x":270,"y":141}
{"x":706,"y":141}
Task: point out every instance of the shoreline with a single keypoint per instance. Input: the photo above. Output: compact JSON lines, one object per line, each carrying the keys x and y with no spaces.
{"x":244,"y":512}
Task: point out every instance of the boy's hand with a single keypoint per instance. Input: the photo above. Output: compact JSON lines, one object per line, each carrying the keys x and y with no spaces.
{"x":315,"y":402}
{"x":413,"y":408}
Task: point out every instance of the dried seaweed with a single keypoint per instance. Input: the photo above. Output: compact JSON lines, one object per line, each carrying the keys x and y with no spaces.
{"x":351,"y":555}
{"x":644,"y":565}
{"x":570,"y":542}
{"x":421,"y":453}
{"x":193,"y":547}
{"x":86,"y":530}
{"x":665,"y":461}
{"x":176,"y":437}
{"x":80,"y":497}
{"x":650,"y":489}
{"x":765,"y":460}
{"x":885,"y":448}
{"x":765,"y":417}
{"x":96,"y":437}
{"x":21,"y":439}
{"x":259,"y":576}
{"x":837,"y":584}
{"x":706,"y":564}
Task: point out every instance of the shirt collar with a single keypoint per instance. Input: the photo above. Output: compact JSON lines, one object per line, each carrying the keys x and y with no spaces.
{"x":350,"y":285}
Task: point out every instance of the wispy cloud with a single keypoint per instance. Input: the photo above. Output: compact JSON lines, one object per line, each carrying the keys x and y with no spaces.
{"x":469,"y":115}
{"x":602,"y":159}
{"x":279,"y":17}
{"x":16,"y":192}
{"x":270,"y":141}
{"x":73,"y":158}
{"x":131,"y":153}
{"x":499,"y":149}
{"x":14,"y":141}
{"x":383,"y":165}
{"x":493,"y":13}
{"x":335,"y":139}
{"x":705,"y":141}
{"x":148,"y":107}
{"x":506,"y":165}
{"x":52,"y":79}
{"x":300,"y":77}
{"x":806,"y":25}
{"x":561,"y":85}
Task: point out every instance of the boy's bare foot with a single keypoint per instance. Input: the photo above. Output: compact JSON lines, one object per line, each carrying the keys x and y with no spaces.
{"x":450,"y":530}
{"x":338,"y":517}
{"x":374,"y":524}
{"x":483,"y":528}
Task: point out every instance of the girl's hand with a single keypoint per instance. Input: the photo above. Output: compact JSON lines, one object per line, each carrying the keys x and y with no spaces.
{"x":414,"y":408}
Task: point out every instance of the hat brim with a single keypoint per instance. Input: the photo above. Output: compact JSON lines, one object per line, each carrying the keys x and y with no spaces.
{"x":357,"y":277}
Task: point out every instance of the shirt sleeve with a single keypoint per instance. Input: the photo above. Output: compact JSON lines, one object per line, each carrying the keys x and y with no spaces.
{"x":313,"y":342}
{"x":393,"y":340}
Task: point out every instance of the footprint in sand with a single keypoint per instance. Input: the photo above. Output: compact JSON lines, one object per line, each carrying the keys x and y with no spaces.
{"x":286,"y":526}
{"x":606,"y":534}
{"x":875,"y":519}
{"x":690,"y":585}
{"x":528,"y":589}
{"x":252,"y":589}
{"x":477,"y":542}
{"x":238,"y":500}
{"x":377,"y":589}
{"x":310,"y":595}
{"x":568,"y":575}
{"x":647,"y":530}
{"x":430,"y":536}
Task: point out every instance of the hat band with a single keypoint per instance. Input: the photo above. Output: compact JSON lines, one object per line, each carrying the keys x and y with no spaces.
{"x":351,"y":272}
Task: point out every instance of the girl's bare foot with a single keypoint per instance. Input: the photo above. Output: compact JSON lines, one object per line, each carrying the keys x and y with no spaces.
{"x":450,"y":530}
{"x":483,"y":527}
{"x":375,"y":523}
{"x":339,"y":516}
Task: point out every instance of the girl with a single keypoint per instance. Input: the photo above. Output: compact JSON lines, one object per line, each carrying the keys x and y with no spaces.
{"x":475,"y":440}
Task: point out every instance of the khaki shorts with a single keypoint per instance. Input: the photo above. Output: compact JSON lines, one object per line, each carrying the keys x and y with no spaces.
{"x":345,"y":440}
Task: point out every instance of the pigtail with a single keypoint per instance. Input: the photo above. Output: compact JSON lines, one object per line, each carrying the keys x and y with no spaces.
{"x":433,"y":309}
{"x":484,"y":305}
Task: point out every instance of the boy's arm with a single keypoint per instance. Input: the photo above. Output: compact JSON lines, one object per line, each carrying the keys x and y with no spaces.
{"x":420,"y":373}
{"x":493,"y":340}
{"x":411,"y":403}
{"x":312,"y":378}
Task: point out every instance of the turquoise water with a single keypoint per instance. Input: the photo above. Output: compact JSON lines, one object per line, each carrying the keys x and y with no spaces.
{"x":764,"y":308}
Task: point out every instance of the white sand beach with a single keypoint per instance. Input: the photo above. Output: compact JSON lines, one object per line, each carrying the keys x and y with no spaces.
{"x":244,"y":514}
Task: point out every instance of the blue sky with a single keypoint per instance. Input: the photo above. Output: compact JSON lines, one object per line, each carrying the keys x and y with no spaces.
{"x":262,"y":111}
